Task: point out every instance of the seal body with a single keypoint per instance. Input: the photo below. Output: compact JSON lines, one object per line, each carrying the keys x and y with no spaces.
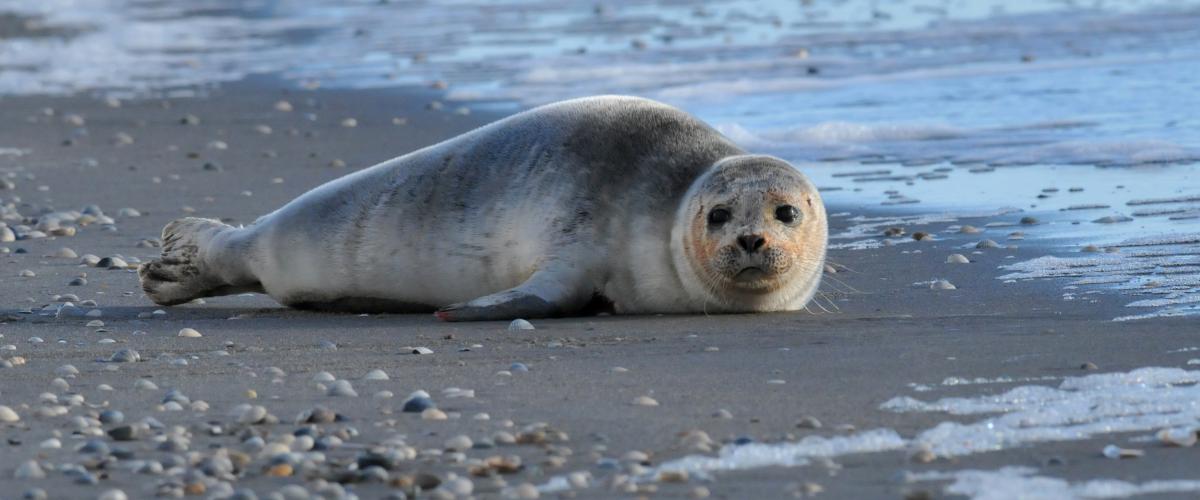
{"x":598,"y":200}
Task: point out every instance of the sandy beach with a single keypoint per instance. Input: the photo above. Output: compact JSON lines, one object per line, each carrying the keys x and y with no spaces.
{"x":565,"y":392}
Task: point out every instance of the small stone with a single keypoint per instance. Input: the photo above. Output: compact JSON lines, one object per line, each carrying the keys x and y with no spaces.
{"x":111,"y":417}
{"x":145,"y":385}
{"x":1029,"y":221}
{"x":699,"y":492}
{"x":189,"y":333}
{"x":349,"y":123}
{"x":26,"y":273}
{"x":417,"y":404}
{"x":459,"y":443}
{"x":65,"y":253}
{"x":189,"y":119}
{"x":66,"y":371}
{"x":113,"y":494}
{"x":922,"y":236}
{"x":433,"y":414}
{"x":525,"y":491}
{"x":808,"y":422}
{"x":1089,"y":366}
{"x":123,"y":433}
{"x":376,"y":374}
{"x":987,"y":244}
{"x":125,"y":356}
{"x":1116,"y":452}
{"x":342,"y":388}
{"x":77,"y":282}
{"x":422,"y":350}
{"x":319,"y":415}
{"x":957,"y":258}
{"x":8,"y":416}
{"x":323,"y":377}
{"x":1178,"y":437}
{"x":29,"y":470}
{"x":942,"y":285}
{"x":893,"y":231}
{"x":520,"y":324}
{"x":283,"y":106}
{"x":722,"y":414}
{"x":280,"y":470}
{"x":644,"y":401}
{"x":518,"y":367}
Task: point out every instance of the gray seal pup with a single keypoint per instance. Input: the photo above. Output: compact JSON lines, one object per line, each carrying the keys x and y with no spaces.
{"x":615,"y":202}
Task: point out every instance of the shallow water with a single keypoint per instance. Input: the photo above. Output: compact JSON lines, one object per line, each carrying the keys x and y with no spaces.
{"x":927,"y":107}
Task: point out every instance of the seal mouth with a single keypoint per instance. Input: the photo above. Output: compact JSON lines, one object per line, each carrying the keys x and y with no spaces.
{"x":753,"y":277}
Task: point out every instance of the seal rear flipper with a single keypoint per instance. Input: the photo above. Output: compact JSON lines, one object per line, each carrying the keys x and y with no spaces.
{"x":184,"y":272}
{"x":545,"y":294}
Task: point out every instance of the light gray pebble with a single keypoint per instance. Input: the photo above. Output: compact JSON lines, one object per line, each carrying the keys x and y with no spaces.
{"x":520,"y":324}
{"x":125,"y":356}
{"x":342,"y":388}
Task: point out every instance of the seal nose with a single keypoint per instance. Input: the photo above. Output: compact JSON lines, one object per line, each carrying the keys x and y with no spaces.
{"x":751,"y":242}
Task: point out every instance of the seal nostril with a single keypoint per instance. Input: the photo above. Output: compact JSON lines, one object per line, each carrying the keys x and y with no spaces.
{"x":751,"y":242}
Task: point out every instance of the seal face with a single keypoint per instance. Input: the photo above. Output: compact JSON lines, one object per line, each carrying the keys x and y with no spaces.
{"x":610,"y":199}
{"x":755,"y":234}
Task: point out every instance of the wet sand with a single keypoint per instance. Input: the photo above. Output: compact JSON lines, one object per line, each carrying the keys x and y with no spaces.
{"x":837,"y":366}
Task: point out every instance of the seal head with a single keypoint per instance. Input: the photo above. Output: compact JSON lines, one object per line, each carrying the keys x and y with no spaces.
{"x":750,"y":235}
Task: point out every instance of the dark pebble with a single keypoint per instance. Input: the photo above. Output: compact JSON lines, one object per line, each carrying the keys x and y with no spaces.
{"x":417,"y":405}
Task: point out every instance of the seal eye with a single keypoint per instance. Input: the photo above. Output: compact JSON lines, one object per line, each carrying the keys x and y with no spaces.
{"x":787,"y":214}
{"x":719,"y":216}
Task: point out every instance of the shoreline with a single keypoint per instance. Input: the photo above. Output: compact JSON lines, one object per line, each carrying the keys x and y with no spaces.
{"x":838,"y":367}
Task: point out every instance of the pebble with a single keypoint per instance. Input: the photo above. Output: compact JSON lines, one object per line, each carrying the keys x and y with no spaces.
{"x":459,"y":443}
{"x":422,"y":350}
{"x":50,"y":444}
{"x":518,"y":367}
{"x":942,"y":285}
{"x":124,"y":433}
{"x":323,"y":377}
{"x":125,"y":356}
{"x":1116,"y":452}
{"x":35,"y":494}
{"x":111,"y":417}
{"x":145,"y":385}
{"x":77,"y":282}
{"x":987,"y":244}
{"x":376,"y":374}
{"x":65,"y":253}
{"x":26,"y":273}
{"x":66,"y":371}
{"x":434,"y":414}
{"x":1029,"y":221}
{"x":318,"y":415}
{"x":722,"y":414}
{"x":957,"y":258}
{"x":112,"y":495}
{"x":1179,"y":437}
{"x":808,"y":422}
{"x":644,"y":401}
{"x":283,"y":106}
{"x":349,"y":123}
{"x":525,"y":490}
{"x":342,"y":388}
{"x":520,"y":324}
{"x":29,"y":470}
{"x":189,"y":119}
{"x":7,"y":415}
{"x":1089,"y":366}
{"x":417,"y":404}
{"x":189,"y":333}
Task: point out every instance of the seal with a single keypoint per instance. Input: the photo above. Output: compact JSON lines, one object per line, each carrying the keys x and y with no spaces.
{"x":608,"y":202}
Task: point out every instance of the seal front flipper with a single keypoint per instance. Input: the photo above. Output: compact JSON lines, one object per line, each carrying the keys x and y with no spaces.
{"x":545,"y":294}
